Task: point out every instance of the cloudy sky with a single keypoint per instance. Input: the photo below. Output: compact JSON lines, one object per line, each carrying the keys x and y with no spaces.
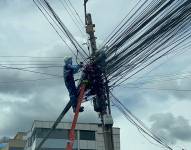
{"x":27,"y":96}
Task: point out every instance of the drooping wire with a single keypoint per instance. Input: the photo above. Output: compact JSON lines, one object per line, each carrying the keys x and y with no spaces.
{"x":170,"y":58}
{"x":67,"y":32}
{"x":4,"y":83}
{"x":73,"y":17}
{"x":80,"y":19}
{"x":32,"y":71}
{"x":158,"y":89}
{"x":117,"y":29}
{"x":153,"y":32}
{"x":42,"y":57}
{"x":138,"y":123}
{"x":123,"y":78}
{"x":51,"y":23}
{"x":44,"y":67}
{"x":45,"y":8}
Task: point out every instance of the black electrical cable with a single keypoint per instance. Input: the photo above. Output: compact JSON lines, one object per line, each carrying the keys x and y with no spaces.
{"x":171,"y":27}
{"x":138,"y":123}
{"x":38,"y":61}
{"x":44,"y":67}
{"x":57,"y":22}
{"x":160,"y":80}
{"x":115,"y":30}
{"x":32,"y":71}
{"x":68,"y":34}
{"x":32,"y":64}
{"x":143,"y":68}
{"x":74,"y":19}
{"x":80,"y":19}
{"x":169,"y":59}
{"x":42,"y":57}
{"x":140,"y":128}
{"x":51,"y":23}
{"x":158,"y":89}
{"x":26,"y":81}
{"x":167,"y":46}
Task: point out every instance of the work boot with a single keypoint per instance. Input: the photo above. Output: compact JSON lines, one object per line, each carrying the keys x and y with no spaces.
{"x":81,"y":109}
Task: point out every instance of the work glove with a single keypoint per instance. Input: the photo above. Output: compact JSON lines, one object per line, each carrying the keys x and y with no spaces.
{"x":81,"y":64}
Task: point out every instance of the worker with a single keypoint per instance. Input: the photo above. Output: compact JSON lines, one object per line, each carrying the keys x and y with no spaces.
{"x":69,"y":71}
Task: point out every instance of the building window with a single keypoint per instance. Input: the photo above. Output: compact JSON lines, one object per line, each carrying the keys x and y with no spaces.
{"x":59,"y":134}
{"x":29,"y":142}
{"x":56,"y":134}
{"x":87,"y":135}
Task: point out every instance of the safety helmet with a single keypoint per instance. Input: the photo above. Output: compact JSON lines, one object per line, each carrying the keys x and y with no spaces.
{"x":67,"y":59}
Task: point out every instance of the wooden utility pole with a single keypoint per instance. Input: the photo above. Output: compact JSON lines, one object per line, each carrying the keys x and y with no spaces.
{"x":101,"y":103}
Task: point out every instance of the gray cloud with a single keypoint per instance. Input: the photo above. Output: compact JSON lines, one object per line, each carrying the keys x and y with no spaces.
{"x":171,"y":128}
{"x":24,"y":31}
{"x":3,"y":3}
{"x":174,"y":84}
{"x":27,"y":101}
{"x":18,"y":113}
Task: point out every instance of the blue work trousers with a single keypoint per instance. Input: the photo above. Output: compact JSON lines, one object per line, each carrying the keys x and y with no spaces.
{"x":73,"y":92}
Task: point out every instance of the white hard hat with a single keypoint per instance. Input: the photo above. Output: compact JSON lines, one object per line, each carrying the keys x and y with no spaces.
{"x":67,"y":58}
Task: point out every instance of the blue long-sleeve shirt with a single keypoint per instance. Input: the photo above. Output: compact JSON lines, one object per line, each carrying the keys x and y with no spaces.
{"x":71,"y":69}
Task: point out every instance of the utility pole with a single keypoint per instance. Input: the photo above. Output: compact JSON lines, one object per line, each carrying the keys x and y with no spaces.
{"x":101,"y":102}
{"x":90,"y":29}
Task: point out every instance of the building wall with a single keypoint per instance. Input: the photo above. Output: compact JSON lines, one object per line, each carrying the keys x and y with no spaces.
{"x":18,"y":143}
{"x":88,"y":136}
{"x":100,"y":139}
{"x":5,"y":148}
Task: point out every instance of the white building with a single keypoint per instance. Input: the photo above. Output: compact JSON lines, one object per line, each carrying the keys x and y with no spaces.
{"x":89,"y":136}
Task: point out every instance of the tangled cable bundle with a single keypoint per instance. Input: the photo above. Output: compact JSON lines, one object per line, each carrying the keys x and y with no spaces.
{"x":156,"y":29}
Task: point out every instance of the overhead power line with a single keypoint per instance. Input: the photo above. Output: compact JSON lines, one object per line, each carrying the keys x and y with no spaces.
{"x":44,"y":67}
{"x":31,"y":71}
{"x":30,"y":64}
{"x":155,"y":30}
{"x":43,"y":57}
{"x":158,"y":89}
{"x":160,"y":79}
{"x":48,"y":18}
{"x":26,"y":81}
{"x":118,"y":27}
{"x":138,"y":123}
{"x":32,"y":61}
{"x":73,"y":17}
{"x":80,"y":19}
{"x":185,"y":48}
{"x":59,"y":27}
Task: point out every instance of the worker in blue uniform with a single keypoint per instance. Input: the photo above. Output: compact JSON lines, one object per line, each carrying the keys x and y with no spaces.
{"x":69,"y":71}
